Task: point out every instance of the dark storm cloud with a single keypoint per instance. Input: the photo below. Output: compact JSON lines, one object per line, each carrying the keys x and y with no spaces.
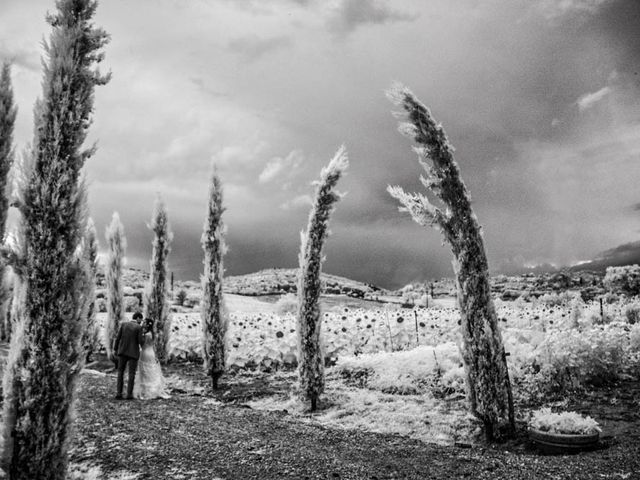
{"x":540,"y":100}
{"x":347,"y":15}
{"x":619,"y":22}
{"x":626,"y":254}
{"x":622,"y":254}
{"x":253,"y":47}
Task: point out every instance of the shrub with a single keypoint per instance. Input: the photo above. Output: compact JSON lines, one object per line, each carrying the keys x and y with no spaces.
{"x":287,"y":304}
{"x":576,"y":314}
{"x":600,"y":319}
{"x":632,"y":313}
{"x":611,"y":298}
{"x":590,"y":293}
{"x":131,"y":304}
{"x":181,"y":297}
{"x":436,"y":370}
{"x":569,"y":360}
{"x":571,"y":423}
{"x":558,"y":299}
{"x":624,"y":279}
{"x":192,"y":300}
{"x":592,"y":357}
{"x":634,"y":339}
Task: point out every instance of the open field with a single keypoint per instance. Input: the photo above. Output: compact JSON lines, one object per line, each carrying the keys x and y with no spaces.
{"x":394,"y":404}
{"x":396,"y":370}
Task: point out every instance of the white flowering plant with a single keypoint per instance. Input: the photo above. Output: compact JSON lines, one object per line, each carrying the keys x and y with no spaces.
{"x":570,"y":423}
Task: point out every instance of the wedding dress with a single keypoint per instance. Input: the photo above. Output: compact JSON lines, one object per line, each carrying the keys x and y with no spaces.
{"x":149,"y":379}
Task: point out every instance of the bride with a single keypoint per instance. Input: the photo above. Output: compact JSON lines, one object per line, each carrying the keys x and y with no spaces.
{"x":150,"y":382}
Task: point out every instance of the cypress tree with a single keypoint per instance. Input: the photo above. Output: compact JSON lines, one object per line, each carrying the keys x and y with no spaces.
{"x":489,"y":388}
{"x":310,"y":351}
{"x":214,"y":313}
{"x":90,"y":339}
{"x":8,"y":112}
{"x":44,"y":364}
{"x":117,"y":245}
{"x":156,"y":305}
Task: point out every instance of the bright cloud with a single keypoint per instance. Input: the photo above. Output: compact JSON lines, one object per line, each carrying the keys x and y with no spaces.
{"x":559,"y":8}
{"x":297,"y":202}
{"x":286,"y":166}
{"x":588,"y":100}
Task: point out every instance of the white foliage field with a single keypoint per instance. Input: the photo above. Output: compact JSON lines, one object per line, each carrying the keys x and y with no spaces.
{"x":399,"y":370}
{"x":260,"y":337}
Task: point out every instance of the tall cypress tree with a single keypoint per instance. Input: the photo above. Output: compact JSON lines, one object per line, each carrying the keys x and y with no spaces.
{"x":310,"y":351}
{"x":214,"y":313}
{"x":8,"y":113}
{"x":44,"y":365}
{"x":117,"y":246}
{"x":90,"y":338}
{"x":156,"y":304}
{"x":489,"y":388}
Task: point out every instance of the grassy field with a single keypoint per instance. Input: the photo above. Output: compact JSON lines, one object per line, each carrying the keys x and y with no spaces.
{"x":398,"y":370}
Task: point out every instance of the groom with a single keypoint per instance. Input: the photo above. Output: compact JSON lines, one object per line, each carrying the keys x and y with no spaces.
{"x":127,"y":347}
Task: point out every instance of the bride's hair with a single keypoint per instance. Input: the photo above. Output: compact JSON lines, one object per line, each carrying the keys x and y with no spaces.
{"x":148,"y":325}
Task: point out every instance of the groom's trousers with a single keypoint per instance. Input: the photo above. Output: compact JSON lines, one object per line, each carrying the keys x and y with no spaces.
{"x":123,"y":361}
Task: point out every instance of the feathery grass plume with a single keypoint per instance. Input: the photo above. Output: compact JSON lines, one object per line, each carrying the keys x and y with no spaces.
{"x":310,"y":351}
{"x":214,"y":312}
{"x":90,"y":338}
{"x":12,"y":387}
{"x":12,"y":253}
{"x":8,"y":112}
{"x":13,"y":249}
{"x":483,"y":352}
{"x":156,"y":304}
{"x":47,"y":354}
{"x":117,"y":246}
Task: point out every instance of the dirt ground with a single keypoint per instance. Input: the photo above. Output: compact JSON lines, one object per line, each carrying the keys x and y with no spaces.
{"x":198,"y":434}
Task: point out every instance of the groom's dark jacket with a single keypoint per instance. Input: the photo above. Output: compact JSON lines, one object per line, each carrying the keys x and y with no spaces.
{"x":128,"y":340}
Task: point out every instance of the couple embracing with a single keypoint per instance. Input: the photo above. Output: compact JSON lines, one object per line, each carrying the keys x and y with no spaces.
{"x":133,"y":346}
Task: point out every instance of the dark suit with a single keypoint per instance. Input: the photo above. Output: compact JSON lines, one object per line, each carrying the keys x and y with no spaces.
{"x":127,"y":346}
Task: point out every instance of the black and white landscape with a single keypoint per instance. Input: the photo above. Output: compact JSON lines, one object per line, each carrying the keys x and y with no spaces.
{"x":233,"y":171}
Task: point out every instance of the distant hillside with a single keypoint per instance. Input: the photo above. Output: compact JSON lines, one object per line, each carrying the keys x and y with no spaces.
{"x":274,"y":281}
{"x":627,"y":254}
{"x":279,"y":280}
{"x":511,"y":287}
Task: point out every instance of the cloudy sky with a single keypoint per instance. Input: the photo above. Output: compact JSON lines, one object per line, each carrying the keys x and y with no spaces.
{"x":541,"y":99}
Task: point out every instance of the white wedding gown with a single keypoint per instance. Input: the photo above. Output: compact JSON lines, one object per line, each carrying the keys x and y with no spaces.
{"x":149,"y":382}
